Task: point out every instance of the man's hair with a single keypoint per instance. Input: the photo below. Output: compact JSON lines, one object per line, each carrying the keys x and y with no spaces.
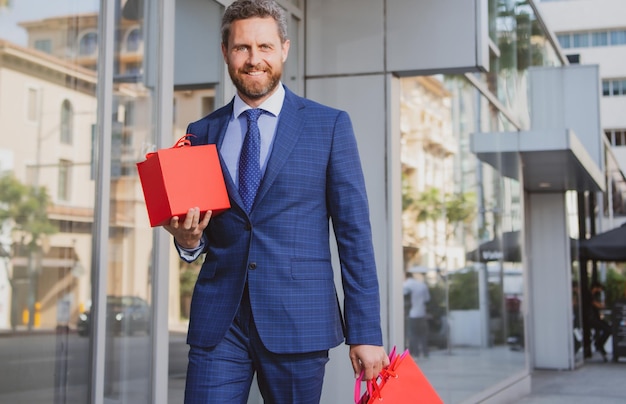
{"x":244,"y":9}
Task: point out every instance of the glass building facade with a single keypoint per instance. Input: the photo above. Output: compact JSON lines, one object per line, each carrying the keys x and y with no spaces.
{"x":94,"y":302}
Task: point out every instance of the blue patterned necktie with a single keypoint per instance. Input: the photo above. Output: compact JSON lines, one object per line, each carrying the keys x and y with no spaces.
{"x":249,"y":160}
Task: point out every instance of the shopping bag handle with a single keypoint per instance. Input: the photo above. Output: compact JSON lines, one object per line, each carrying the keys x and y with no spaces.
{"x":374,"y":386}
{"x":357,"y":388}
{"x":182,"y":142}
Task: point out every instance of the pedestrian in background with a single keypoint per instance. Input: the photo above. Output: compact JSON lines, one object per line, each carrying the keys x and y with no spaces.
{"x":595,"y":317}
{"x":418,"y":295}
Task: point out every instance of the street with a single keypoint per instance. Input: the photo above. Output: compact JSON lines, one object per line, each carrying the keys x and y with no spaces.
{"x":46,"y":367}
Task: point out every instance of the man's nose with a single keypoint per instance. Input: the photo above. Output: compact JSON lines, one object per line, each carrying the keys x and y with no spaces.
{"x":254,"y":56}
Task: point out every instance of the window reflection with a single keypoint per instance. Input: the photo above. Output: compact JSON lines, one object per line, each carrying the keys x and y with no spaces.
{"x":88,"y":44}
{"x":44,"y":45}
{"x":32,"y":104}
{"x":521,"y":43}
{"x":46,"y":247}
{"x":53,"y":286}
{"x":134,"y":40}
{"x":67,"y":122}
{"x":461,"y":222}
{"x":47,"y":190}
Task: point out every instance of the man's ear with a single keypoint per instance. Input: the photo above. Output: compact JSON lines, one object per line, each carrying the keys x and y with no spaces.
{"x":225,"y":53}
{"x":285,"y":49}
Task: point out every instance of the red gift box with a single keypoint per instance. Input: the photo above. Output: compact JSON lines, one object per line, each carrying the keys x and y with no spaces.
{"x":182,"y":177}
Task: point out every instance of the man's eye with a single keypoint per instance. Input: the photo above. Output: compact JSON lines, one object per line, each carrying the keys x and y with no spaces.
{"x":241,"y":48}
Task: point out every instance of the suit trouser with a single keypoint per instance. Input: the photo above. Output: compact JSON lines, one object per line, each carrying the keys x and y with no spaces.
{"x":223,"y":374}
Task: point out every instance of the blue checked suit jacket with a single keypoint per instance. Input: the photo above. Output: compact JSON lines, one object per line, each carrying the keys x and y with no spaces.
{"x":282,"y":247}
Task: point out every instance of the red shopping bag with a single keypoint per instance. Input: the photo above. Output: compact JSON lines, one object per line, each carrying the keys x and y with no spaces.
{"x":401,"y":382}
{"x":182,"y":177}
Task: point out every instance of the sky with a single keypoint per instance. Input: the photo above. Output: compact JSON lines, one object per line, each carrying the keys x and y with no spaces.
{"x":29,"y":10}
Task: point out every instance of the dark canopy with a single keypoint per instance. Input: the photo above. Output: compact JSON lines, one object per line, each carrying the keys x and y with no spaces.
{"x":608,"y":246}
{"x":506,"y":248}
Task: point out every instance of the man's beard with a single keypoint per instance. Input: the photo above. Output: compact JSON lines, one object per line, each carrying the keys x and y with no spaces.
{"x":256,"y":90}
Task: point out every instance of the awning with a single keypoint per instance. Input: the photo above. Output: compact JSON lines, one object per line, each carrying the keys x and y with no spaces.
{"x":548,"y":160}
{"x":506,"y":248}
{"x":609,"y":246}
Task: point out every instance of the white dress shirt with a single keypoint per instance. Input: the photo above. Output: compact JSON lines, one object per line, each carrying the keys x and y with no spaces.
{"x":233,"y":140}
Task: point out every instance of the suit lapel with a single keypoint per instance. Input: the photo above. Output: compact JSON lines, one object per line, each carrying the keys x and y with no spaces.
{"x":288,"y":130}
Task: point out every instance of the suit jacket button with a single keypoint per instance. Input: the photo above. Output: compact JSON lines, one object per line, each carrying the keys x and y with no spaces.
{"x":248,"y":227}
{"x":252,"y":265}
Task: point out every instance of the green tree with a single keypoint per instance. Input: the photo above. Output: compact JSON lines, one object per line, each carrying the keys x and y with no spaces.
{"x":407,"y":194}
{"x":464,"y":291}
{"x":429,"y":205}
{"x":23,"y":210}
{"x":460,"y":209}
{"x":457,"y":209}
{"x":615,"y":286}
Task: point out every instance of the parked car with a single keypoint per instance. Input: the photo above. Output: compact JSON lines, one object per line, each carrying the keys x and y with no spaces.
{"x":126,"y":315}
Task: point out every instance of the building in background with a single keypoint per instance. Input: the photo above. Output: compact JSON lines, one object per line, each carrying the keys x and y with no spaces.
{"x":593,"y":32}
{"x":71,"y":123}
{"x":47,"y":135}
{"x":428,"y":148}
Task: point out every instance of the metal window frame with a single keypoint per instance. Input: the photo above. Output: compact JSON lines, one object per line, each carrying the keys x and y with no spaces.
{"x":162,"y":15}
{"x":164,"y":122}
{"x":104,"y":97}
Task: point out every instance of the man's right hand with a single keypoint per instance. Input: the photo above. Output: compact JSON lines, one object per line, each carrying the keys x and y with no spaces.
{"x":188,"y":233}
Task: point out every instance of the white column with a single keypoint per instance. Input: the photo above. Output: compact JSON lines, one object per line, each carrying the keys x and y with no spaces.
{"x":550,"y":268}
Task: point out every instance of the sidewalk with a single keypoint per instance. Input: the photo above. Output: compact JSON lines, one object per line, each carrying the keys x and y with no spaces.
{"x":20,"y":330}
{"x":594,"y":382}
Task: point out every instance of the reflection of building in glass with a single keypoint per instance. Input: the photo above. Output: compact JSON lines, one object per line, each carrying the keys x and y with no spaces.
{"x":50,"y":144}
{"x":80,"y":42}
{"x":68,"y":129}
{"x":454,"y":206}
{"x":428,"y":147}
